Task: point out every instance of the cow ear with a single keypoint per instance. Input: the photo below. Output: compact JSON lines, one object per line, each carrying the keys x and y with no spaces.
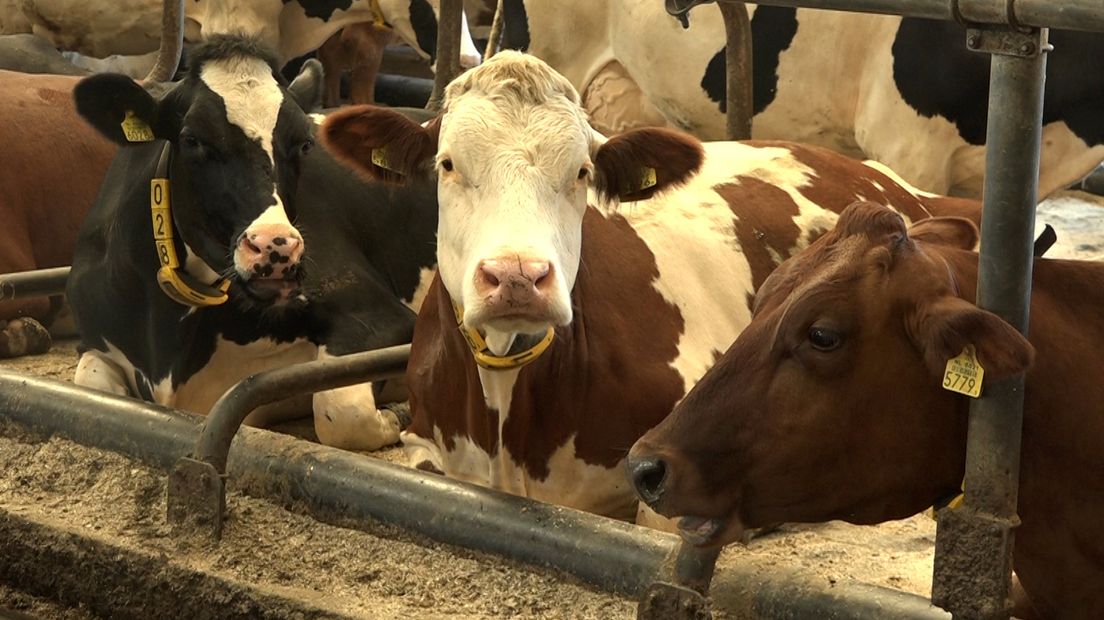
{"x":118,"y":108}
{"x":380,"y":143}
{"x":637,"y":164}
{"x":306,"y":88}
{"x":957,"y":232}
{"x":943,"y":328}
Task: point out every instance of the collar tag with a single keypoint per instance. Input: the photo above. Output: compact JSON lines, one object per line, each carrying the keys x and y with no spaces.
{"x":964,"y":373}
{"x":482,"y":353}
{"x":136,"y":129}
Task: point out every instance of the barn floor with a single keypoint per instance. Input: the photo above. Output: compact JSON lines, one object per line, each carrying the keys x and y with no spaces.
{"x":385,"y":574}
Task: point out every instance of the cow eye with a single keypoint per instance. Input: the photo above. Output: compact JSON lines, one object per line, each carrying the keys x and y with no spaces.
{"x":190,"y":141}
{"x":306,"y":147}
{"x":582,"y":173}
{"x":824,"y":339}
{"x":447,"y":165}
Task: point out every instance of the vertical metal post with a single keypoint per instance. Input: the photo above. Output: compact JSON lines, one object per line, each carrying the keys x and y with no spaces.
{"x":448,"y":50}
{"x":738,"y":68}
{"x":974,"y":543}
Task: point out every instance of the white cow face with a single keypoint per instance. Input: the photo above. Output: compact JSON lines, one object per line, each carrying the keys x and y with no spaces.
{"x":514,"y":156}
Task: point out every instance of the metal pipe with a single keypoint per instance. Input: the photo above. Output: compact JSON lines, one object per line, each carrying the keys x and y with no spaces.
{"x":267,"y":387}
{"x":738,"y":67}
{"x":39,"y":282}
{"x":448,"y":50}
{"x":967,"y":537}
{"x":346,"y":488}
{"x":1067,"y":14}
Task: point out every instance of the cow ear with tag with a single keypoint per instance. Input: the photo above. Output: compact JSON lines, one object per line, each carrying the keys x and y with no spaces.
{"x":118,"y":108}
{"x":639,"y":163}
{"x":381,"y":144}
{"x":950,"y":327}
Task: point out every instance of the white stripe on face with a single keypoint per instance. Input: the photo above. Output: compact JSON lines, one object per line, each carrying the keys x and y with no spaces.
{"x":251,"y":96}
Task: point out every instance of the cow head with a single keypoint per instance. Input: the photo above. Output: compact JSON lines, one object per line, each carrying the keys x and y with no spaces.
{"x":238,"y":138}
{"x":830,"y":403}
{"x":514,"y":157}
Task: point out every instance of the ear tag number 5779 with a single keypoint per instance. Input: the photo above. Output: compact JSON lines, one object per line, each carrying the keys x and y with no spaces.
{"x":964,"y":373}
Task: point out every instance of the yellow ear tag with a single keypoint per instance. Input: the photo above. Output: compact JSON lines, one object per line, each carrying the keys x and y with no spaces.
{"x":136,"y":129}
{"x":964,"y":373}
{"x":647,"y":179}
{"x":379,"y":158}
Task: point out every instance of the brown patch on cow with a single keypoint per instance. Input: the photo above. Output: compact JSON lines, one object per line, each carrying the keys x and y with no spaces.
{"x":353,"y":133}
{"x":54,"y":163}
{"x":430,"y":467}
{"x":620,"y":163}
{"x":764,"y":223}
{"x":606,"y":379}
{"x":839,"y":181}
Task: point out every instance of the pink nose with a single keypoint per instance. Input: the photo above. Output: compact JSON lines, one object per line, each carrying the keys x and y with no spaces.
{"x":514,"y":282}
{"x":269,"y":251}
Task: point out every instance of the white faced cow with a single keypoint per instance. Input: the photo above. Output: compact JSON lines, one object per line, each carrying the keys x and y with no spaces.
{"x":291,"y":27}
{"x":905,"y":92}
{"x":560,"y":328}
{"x":222,"y":245}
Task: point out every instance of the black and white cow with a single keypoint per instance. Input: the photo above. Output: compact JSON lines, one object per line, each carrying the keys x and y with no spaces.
{"x":905,"y":92}
{"x":317,"y":262}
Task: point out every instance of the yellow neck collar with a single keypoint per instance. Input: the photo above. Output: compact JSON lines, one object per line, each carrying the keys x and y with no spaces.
{"x":377,"y":16}
{"x":177,"y":284}
{"x":482,"y":353}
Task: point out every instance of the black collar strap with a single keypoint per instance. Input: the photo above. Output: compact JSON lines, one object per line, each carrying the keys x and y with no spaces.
{"x":178,"y":284}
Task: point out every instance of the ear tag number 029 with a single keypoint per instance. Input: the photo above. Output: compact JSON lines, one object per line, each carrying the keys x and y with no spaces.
{"x":964,"y":373}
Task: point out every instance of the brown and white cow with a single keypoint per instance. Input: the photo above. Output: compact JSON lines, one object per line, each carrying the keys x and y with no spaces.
{"x":53,"y":165}
{"x":830,"y":404}
{"x":638,"y":300}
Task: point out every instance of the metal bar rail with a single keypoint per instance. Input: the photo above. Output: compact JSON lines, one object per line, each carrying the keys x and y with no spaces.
{"x":39,"y":282}
{"x":196,"y":497}
{"x":353,"y":490}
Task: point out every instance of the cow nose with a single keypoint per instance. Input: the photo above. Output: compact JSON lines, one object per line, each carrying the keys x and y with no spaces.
{"x":648,"y":476}
{"x":270,"y":251}
{"x":519,"y":279}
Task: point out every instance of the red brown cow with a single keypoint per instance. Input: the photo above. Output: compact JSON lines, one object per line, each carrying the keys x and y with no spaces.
{"x":53,"y":165}
{"x":830,"y":404}
{"x":629,"y":305}
{"x":358,"y":49}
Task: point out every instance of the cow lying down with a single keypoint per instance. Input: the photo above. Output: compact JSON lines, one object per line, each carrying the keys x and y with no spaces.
{"x":830,"y":404}
{"x":561,"y":327}
{"x":222,"y":244}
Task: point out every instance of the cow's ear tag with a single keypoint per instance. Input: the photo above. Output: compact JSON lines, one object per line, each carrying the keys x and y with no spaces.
{"x":647,"y":179}
{"x":380,"y":158}
{"x":964,"y":373}
{"x":136,"y":129}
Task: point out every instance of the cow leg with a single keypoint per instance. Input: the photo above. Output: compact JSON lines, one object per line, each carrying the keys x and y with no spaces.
{"x":332,"y":56}
{"x":24,"y":336}
{"x":95,"y":370}
{"x":422,"y":453}
{"x":348,"y":418}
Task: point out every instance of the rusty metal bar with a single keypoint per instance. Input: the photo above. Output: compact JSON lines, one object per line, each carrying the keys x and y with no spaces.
{"x":974,"y":544}
{"x":39,"y":282}
{"x":448,"y":50}
{"x":738,"y":67}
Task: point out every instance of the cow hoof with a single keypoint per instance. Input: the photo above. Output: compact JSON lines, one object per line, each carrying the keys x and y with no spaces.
{"x":430,"y":467}
{"x":402,"y":414}
{"x":24,"y":336}
{"x":1094,"y":182}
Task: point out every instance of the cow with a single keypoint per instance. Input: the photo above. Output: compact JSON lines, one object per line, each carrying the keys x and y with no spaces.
{"x":293,"y":28}
{"x":54,"y":164}
{"x":223,"y":244}
{"x":560,"y":328}
{"x":358,"y":49}
{"x":831,"y":405}
{"x":903,"y":91}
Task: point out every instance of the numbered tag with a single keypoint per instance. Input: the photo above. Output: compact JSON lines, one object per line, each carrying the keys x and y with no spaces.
{"x":964,"y":373}
{"x":379,"y":158}
{"x":159,"y":209}
{"x":647,"y":179}
{"x":136,"y":129}
{"x":166,"y":253}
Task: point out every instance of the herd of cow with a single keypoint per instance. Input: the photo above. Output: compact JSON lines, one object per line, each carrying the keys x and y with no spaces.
{"x":703,"y":337}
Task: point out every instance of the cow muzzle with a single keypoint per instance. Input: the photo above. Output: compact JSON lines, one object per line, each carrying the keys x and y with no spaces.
{"x":516,"y":288}
{"x":267,"y":258}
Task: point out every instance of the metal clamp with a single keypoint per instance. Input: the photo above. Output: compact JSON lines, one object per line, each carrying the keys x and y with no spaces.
{"x":1008,"y":41}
